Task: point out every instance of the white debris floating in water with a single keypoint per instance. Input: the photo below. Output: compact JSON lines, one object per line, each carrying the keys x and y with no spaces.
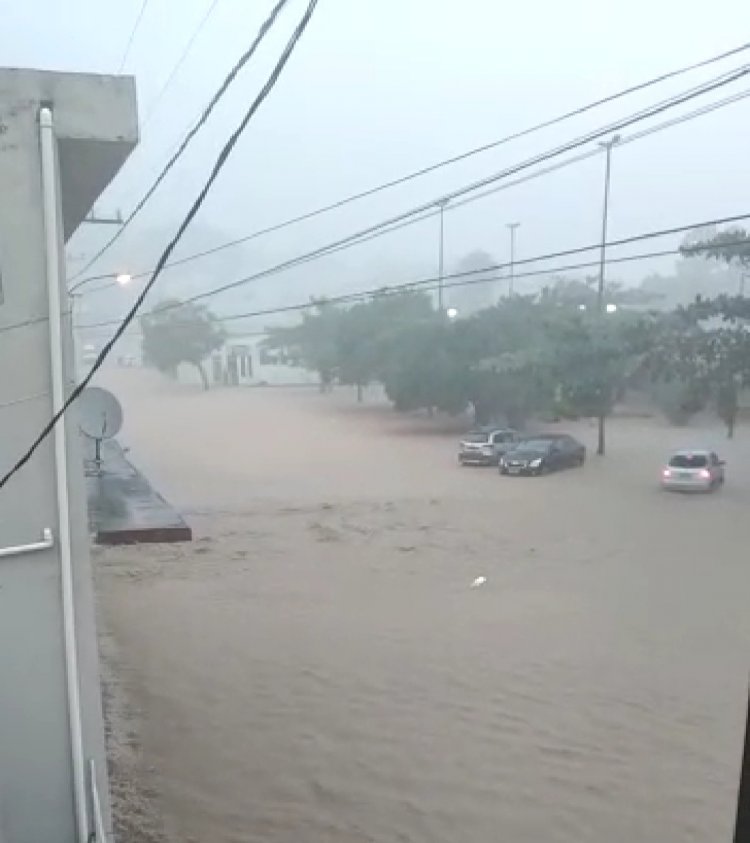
{"x":479,"y":581}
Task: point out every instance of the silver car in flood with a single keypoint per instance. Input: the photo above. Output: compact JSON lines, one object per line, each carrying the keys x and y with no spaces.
{"x":697,"y":470}
{"x":486,"y":445}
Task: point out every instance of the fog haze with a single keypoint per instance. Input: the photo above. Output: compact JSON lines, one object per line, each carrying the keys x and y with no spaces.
{"x":377,"y":90}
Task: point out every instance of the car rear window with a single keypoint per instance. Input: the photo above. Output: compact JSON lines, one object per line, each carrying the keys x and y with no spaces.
{"x":535,"y":444}
{"x":477,"y":437}
{"x":689,"y":461}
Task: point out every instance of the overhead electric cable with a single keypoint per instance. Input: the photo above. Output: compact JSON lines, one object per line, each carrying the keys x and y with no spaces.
{"x":194,"y":208}
{"x":265,"y":27}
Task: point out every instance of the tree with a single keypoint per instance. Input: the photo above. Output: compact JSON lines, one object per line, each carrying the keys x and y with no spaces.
{"x":593,"y":363}
{"x":351,"y":345}
{"x":707,"y":344}
{"x":367,"y":333}
{"x":175,"y":333}
{"x":425,"y":369}
{"x":506,"y":353}
{"x":731,"y":246}
{"x":312,"y":342}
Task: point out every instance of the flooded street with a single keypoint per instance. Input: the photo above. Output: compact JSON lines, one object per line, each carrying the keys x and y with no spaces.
{"x":316,"y":667}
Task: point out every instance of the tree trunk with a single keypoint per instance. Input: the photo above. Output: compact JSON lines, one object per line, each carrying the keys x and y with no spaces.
{"x":202,"y":373}
{"x":731,"y":419}
{"x":600,"y":446}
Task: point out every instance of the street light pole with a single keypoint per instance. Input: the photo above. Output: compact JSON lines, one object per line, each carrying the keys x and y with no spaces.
{"x":607,"y":147}
{"x":441,"y":204}
{"x":512,"y":226}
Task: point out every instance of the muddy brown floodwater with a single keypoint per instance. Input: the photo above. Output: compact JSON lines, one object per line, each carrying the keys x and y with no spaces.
{"x":315,"y":666}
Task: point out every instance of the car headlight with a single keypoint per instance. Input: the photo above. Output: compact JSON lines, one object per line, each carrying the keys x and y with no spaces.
{"x":535,"y":463}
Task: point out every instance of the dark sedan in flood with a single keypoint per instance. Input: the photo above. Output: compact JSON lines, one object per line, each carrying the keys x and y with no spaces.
{"x":543,"y":453}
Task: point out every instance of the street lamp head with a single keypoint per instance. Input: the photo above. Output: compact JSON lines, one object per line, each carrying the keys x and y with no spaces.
{"x":123,"y":278}
{"x":611,"y":308}
{"x":582,"y":307}
{"x":610,"y":143}
{"x":451,"y":312}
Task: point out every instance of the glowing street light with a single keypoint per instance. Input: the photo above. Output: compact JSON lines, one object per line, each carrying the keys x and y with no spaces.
{"x":611,"y":308}
{"x":451,"y":313}
{"x":582,"y":307}
{"x":124,"y":278}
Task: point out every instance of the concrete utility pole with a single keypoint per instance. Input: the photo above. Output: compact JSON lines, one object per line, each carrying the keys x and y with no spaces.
{"x":512,"y":226}
{"x":441,"y":204}
{"x":607,"y":147}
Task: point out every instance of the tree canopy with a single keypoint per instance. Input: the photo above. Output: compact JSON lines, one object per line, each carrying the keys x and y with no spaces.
{"x":550,"y":353}
{"x":175,"y":333}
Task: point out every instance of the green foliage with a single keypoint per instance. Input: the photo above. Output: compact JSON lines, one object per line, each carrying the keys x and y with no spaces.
{"x":731,"y":246}
{"x":707,"y":345}
{"x":680,"y":400}
{"x":530,"y":355}
{"x":175,"y":333}
{"x":351,"y":346}
{"x":425,"y":368}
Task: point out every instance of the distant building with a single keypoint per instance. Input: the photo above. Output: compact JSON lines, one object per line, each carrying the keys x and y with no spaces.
{"x":244,"y":361}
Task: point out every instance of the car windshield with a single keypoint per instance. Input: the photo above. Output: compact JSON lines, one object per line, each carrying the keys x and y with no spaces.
{"x":477,"y":436}
{"x":689,"y":461}
{"x":535,"y":445}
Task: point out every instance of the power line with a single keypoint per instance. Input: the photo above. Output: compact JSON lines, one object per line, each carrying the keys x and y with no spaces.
{"x":429,"y":207}
{"x":668,"y":124}
{"x":423,"y":283}
{"x":432,"y":284}
{"x":178,"y":64}
{"x":452,"y":207}
{"x":266,"y":26}
{"x":131,"y":38}
{"x":446,"y":162}
{"x":195,"y":207}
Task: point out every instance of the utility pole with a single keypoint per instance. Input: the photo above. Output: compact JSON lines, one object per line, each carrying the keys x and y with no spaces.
{"x":512,"y":226}
{"x":441,"y":204}
{"x":607,"y":147}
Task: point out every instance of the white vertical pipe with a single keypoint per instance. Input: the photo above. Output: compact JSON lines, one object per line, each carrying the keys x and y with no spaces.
{"x":96,"y":806}
{"x":52,"y":247}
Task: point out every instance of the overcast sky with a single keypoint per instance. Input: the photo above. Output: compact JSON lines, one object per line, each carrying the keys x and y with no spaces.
{"x":378,"y":88}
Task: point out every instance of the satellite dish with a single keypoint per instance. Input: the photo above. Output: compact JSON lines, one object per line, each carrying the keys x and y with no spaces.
{"x":100,"y":417}
{"x":100,"y":413}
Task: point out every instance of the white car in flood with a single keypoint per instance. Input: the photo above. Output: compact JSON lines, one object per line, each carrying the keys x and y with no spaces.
{"x":696,"y":470}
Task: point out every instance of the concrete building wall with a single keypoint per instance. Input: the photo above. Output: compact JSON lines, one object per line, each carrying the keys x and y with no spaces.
{"x":36,"y":791}
{"x":243,"y":361}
